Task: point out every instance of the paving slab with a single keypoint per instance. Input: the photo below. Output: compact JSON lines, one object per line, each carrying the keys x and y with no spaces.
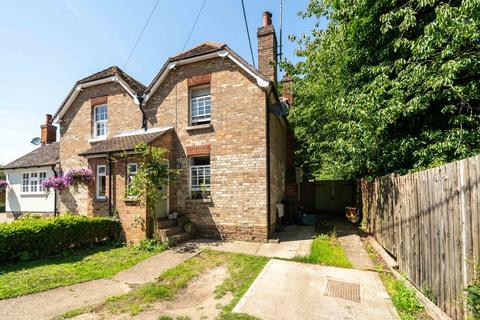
{"x":51,"y":303}
{"x":293,"y":241}
{"x":291,"y":290}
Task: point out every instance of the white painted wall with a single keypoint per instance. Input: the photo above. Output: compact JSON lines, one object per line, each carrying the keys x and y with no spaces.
{"x":17,"y":201}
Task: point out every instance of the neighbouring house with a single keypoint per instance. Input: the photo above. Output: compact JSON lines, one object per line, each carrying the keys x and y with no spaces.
{"x":26,"y":174}
{"x":223,"y":122}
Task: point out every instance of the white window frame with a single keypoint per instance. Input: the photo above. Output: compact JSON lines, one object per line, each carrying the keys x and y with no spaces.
{"x":201,"y":102}
{"x":199,"y":168}
{"x":32,"y":182}
{"x":97,"y":183}
{"x":42,"y":175}
{"x":25,"y":182}
{"x":129,"y":176}
{"x":103,"y":122}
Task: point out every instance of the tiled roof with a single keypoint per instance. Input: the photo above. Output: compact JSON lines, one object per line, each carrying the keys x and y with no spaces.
{"x":43,"y":156}
{"x":201,"y":49}
{"x":123,"y":143}
{"x":112,"y":71}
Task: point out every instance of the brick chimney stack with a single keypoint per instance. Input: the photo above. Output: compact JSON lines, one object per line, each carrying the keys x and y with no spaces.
{"x":287,"y":89}
{"x":267,"y":48}
{"x":49,"y":131}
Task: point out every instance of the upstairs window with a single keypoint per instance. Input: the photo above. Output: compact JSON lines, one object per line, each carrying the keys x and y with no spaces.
{"x":101,"y":181}
{"x":100,"y":118}
{"x":200,"y":177}
{"x":200,"y":105}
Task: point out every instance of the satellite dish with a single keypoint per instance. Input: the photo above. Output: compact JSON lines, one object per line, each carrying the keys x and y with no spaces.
{"x":36,"y":141}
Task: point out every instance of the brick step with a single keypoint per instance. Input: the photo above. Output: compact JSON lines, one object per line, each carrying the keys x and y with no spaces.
{"x":181,"y":237}
{"x":173,"y":230}
{"x":166,"y":223}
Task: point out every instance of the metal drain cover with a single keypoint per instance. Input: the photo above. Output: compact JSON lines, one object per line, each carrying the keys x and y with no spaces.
{"x":343,"y":290}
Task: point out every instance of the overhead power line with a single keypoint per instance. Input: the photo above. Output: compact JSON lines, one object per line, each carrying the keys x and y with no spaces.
{"x":248,"y":33}
{"x":194,"y":24}
{"x":141,"y":33}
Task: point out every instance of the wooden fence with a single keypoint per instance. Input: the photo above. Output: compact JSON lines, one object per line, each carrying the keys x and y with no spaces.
{"x":430,"y":222}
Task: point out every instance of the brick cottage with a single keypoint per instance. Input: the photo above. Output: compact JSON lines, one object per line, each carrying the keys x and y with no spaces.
{"x":223,"y":122}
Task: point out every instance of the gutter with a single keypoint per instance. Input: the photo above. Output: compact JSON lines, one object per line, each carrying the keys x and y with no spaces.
{"x":55,"y":209}
{"x":140,"y":99}
{"x":110,"y":213}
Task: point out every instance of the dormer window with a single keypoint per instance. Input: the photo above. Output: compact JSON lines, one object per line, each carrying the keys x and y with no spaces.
{"x":200,"y":105}
{"x":100,"y":121}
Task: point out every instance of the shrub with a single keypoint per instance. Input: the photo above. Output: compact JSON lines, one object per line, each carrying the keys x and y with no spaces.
{"x":33,"y":238}
{"x":473,"y":295}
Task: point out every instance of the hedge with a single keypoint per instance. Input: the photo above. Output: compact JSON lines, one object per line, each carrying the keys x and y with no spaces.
{"x":33,"y":238}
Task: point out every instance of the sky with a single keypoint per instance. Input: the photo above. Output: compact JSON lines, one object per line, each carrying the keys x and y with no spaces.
{"x":46,"y":46}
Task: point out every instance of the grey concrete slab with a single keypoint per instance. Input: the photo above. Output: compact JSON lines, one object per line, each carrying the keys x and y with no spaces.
{"x":293,"y":241}
{"x":291,"y":290}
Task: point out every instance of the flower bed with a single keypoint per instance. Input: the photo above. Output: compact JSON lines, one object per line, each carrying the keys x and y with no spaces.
{"x":32,"y":238}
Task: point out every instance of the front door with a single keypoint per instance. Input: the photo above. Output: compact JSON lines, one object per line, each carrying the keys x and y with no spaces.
{"x":161,"y":209}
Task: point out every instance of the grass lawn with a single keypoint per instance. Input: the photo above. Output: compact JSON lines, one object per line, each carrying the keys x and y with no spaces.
{"x":327,"y":251}
{"x":403,"y":298}
{"x":243,"y":270}
{"x":101,"y":261}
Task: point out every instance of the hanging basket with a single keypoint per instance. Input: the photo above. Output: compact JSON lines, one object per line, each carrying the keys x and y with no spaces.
{"x":3,"y":185}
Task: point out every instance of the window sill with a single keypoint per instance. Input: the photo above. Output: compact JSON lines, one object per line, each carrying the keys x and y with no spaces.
{"x":97,"y":139}
{"x":199,"y":127}
{"x":208,"y":200}
{"x":130,"y":200}
{"x":34,"y":194}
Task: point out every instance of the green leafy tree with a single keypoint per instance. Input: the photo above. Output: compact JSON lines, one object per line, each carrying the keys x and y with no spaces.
{"x":388,"y":86}
{"x":152,"y":175}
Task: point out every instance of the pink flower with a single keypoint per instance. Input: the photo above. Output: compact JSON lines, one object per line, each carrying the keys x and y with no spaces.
{"x":56,"y":183}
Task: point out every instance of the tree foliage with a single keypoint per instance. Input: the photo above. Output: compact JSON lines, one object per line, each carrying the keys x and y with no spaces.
{"x":152,"y":175}
{"x":388,"y":86}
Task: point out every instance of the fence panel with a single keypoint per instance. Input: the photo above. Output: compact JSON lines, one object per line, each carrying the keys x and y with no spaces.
{"x":430,"y":221}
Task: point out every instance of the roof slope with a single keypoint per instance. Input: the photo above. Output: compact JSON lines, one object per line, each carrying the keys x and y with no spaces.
{"x":115,"y":71}
{"x":43,"y":156}
{"x":123,"y":143}
{"x":203,"y":48}
{"x":135,"y":85}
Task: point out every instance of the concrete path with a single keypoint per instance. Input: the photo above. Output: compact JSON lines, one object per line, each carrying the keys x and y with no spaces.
{"x":291,"y":290}
{"x":47,"y":304}
{"x":352,"y":244}
{"x":293,"y":241}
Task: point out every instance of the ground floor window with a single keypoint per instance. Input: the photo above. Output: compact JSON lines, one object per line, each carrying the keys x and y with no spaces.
{"x":132,"y":169}
{"x":200,"y":177}
{"x":101,"y":181}
{"x":32,"y":181}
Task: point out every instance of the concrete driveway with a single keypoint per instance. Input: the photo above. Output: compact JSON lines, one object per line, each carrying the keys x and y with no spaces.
{"x":291,"y":290}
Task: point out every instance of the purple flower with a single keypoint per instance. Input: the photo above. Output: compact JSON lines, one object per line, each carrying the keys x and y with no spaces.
{"x":3,"y":185}
{"x":78,"y":177}
{"x":56,"y":183}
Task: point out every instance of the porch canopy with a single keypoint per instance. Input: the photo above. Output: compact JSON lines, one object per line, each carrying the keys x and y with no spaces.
{"x":128,"y":141}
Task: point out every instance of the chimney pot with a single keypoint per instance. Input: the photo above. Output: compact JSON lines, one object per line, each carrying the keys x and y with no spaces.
{"x":267,"y":18}
{"x":48,"y":131}
{"x":48,"y":119}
